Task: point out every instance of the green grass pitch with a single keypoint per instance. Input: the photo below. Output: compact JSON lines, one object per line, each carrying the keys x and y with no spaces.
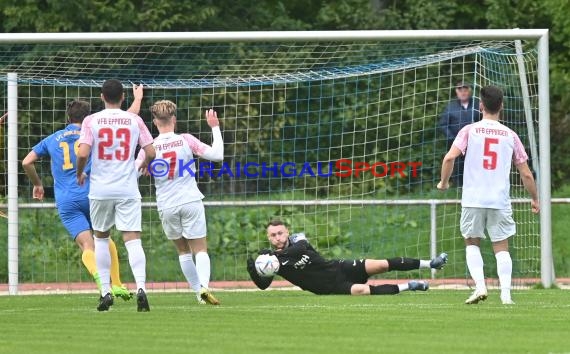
{"x":289,"y":322}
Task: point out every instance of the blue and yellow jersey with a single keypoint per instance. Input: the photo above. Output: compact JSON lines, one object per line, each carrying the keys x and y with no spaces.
{"x":62,"y":147}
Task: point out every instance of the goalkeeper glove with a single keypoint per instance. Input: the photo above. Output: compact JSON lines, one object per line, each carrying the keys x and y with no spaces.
{"x":261,"y":283}
{"x":265,"y":251}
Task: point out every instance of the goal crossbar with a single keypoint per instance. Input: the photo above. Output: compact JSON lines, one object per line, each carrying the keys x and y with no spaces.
{"x":282,"y":36}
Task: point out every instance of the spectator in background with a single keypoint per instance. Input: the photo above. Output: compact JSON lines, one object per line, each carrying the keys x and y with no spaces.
{"x":459,"y":112}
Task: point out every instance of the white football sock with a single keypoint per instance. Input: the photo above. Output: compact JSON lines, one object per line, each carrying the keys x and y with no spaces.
{"x":137,"y":260}
{"x":103,"y":262}
{"x":504,"y":271}
{"x":189,"y":270}
{"x":203,"y":268}
{"x":403,"y":287}
{"x":424,"y":264}
{"x":475,"y":265}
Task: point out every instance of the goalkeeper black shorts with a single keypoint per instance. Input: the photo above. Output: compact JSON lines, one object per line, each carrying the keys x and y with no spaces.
{"x":350,"y":272}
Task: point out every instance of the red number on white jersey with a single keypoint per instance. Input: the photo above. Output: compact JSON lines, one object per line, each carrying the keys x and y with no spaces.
{"x":172,"y":156}
{"x":106,"y":140}
{"x":490,"y":160}
{"x":124,"y":143}
{"x":106,"y":137}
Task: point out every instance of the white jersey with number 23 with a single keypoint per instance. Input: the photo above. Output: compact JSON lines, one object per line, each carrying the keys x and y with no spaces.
{"x":113,"y":135}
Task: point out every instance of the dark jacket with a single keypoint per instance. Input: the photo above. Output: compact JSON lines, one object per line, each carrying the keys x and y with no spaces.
{"x":456,"y":117}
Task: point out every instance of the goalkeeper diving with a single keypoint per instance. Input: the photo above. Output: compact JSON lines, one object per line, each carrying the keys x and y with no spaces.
{"x":303,"y":266}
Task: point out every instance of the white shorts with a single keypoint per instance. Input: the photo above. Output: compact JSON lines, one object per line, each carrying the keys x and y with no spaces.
{"x":186,"y":220}
{"x":498,"y":222}
{"x":125,"y":213}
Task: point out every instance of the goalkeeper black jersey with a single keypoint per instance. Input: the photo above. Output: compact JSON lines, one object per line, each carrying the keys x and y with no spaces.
{"x":303,"y":266}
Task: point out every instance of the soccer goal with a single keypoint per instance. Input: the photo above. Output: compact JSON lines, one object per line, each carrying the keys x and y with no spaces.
{"x":336,"y":133}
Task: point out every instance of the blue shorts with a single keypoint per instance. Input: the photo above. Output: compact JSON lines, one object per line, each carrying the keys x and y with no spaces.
{"x":74,"y":215}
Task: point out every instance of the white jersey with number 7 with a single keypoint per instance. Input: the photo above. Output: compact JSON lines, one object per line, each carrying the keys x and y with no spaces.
{"x":175,"y":182}
{"x":489,"y":148}
{"x":113,"y":135}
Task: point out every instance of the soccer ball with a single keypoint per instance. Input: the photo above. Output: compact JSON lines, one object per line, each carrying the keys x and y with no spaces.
{"x":266,"y":265}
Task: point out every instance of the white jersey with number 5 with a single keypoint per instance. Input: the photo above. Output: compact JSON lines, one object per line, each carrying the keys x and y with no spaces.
{"x":113,"y":135}
{"x":176,"y":183}
{"x":489,"y":148}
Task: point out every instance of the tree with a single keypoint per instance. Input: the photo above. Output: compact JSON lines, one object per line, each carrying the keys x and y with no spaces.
{"x":263,"y":15}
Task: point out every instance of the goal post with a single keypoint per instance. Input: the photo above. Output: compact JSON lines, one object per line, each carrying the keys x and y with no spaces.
{"x":544,"y":178}
{"x":285,"y":96}
{"x":12,"y":157}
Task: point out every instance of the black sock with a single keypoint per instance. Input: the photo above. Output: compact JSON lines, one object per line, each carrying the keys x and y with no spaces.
{"x":386,"y":289}
{"x":402,"y":263}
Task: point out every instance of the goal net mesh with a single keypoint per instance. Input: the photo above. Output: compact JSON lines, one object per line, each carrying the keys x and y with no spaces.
{"x":300,"y":122}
